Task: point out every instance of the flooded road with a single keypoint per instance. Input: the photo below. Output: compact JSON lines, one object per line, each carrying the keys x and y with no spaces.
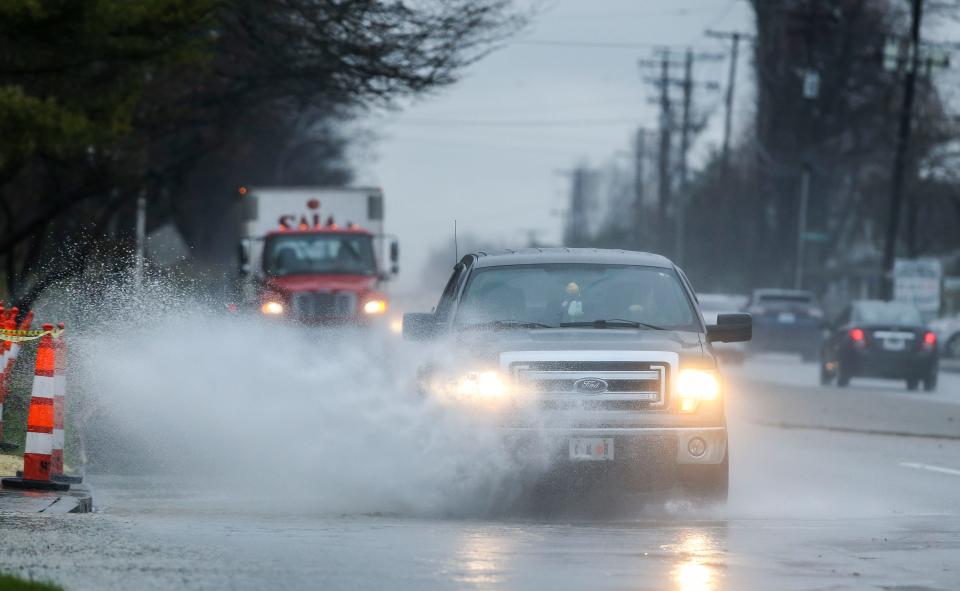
{"x":809,"y":509}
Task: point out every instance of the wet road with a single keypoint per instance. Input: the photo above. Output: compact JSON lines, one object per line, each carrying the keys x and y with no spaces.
{"x":819,"y":500}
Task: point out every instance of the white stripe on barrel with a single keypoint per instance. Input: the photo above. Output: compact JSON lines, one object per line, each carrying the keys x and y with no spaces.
{"x":39,"y":443}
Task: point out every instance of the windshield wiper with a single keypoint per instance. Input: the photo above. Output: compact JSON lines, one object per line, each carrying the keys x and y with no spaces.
{"x":611,"y":323}
{"x":507,"y":324}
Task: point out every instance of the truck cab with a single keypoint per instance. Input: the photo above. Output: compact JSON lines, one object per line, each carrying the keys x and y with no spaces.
{"x":304,"y":265}
{"x":601,"y":355}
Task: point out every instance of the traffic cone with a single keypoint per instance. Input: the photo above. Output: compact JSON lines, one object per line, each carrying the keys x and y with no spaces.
{"x":4,"y":353}
{"x":59,"y":409}
{"x":37,"y":454}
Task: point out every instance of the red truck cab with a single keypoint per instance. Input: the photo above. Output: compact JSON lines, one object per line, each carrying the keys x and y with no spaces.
{"x":321,"y":274}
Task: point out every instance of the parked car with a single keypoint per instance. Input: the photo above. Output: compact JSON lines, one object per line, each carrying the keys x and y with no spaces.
{"x":786,"y":320}
{"x":711,"y":306}
{"x":873,"y":338}
{"x":948,"y":335}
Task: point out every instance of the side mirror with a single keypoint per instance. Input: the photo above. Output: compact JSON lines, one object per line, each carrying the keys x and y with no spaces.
{"x":731,"y":328}
{"x":419,"y":326}
{"x":394,"y":257}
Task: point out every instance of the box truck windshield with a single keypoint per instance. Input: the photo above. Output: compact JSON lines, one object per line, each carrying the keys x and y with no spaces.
{"x":306,"y":254}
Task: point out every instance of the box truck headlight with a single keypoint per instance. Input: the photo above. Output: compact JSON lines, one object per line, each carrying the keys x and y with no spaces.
{"x":272,"y":308}
{"x":695,"y":386}
{"x":375,"y":307}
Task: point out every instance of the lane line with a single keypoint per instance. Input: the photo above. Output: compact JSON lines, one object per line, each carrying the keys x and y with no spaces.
{"x":931,"y":468}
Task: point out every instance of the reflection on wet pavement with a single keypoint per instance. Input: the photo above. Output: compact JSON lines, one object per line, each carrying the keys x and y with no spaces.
{"x":479,"y":560}
{"x":699,"y":555}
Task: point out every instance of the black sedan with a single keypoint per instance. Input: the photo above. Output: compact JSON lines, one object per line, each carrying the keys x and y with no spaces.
{"x":872,"y":338}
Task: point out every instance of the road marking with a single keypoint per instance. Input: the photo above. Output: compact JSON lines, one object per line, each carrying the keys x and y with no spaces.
{"x":931,"y":468}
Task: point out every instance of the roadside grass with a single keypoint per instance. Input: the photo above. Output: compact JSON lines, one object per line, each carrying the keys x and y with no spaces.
{"x":10,"y":464}
{"x":12,"y":583}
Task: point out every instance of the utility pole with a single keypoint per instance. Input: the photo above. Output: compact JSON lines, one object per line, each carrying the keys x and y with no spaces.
{"x":735,"y":37}
{"x":900,"y":156}
{"x":663,"y":173}
{"x":665,"y":181}
{"x":639,"y":188}
{"x":578,"y":207}
{"x":683,"y":197}
{"x":685,"y":130}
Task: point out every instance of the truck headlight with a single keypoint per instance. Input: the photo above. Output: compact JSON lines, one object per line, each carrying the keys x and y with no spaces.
{"x":486,"y":388}
{"x":375,"y":307}
{"x":695,"y":386}
{"x":272,"y":308}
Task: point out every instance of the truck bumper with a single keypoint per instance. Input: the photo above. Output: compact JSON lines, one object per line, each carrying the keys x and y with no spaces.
{"x":633,"y":445}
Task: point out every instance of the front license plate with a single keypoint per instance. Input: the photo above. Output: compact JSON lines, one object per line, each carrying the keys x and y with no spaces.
{"x":591,"y":448}
{"x":894,"y":344}
{"x":787,"y":318}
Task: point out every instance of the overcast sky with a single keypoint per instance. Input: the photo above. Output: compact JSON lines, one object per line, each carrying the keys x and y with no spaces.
{"x":490,"y":151}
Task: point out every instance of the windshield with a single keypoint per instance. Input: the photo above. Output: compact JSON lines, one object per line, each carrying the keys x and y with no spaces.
{"x":888,"y":313}
{"x":304,"y":254}
{"x":555,"y":294}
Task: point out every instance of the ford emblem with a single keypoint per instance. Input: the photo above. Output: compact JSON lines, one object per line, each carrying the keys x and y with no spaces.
{"x":590,"y":386}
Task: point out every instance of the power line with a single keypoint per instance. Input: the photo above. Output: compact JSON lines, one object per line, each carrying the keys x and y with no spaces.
{"x":720,"y":16}
{"x":589,"y":44}
{"x":581,"y":122}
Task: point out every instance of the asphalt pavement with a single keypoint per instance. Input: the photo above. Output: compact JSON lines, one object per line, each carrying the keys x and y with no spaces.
{"x":831,"y":488}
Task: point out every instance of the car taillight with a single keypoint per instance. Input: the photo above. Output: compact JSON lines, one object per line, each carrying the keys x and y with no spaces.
{"x":856,"y":335}
{"x":929,"y":340}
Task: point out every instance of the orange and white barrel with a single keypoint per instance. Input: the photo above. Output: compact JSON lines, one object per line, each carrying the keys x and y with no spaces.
{"x":39,"y":445}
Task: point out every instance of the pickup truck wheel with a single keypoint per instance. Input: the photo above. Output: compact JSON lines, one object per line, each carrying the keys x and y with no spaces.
{"x":706,"y":483}
{"x":912,"y":384}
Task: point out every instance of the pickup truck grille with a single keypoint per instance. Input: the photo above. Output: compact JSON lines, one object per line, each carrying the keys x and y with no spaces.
{"x":593,"y":385}
{"x":323,"y":305}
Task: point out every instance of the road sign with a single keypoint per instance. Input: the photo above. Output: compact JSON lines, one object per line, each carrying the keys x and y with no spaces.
{"x":918,"y":281}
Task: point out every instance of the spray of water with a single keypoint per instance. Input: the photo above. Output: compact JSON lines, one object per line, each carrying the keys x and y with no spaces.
{"x":278,"y":416}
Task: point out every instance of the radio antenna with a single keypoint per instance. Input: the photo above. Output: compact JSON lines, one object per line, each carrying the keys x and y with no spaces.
{"x":456,"y":245}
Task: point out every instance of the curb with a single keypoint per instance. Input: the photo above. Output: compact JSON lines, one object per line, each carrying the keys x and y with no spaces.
{"x":77,"y":500}
{"x":857,"y":430}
